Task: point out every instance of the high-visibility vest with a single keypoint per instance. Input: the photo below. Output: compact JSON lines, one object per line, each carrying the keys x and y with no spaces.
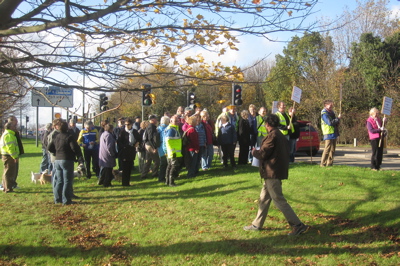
{"x":9,"y":144}
{"x":282,"y":121}
{"x":261,"y":130}
{"x":173,"y":141}
{"x":326,"y":129}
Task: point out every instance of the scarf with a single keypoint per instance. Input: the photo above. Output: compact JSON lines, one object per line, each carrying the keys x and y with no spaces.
{"x":131,"y":137}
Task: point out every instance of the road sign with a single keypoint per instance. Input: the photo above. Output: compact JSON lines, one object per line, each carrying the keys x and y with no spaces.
{"x":274,"y":107}
{"x":56,"y":95}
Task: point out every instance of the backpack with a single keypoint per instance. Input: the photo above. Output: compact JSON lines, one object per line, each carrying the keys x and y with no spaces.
{"x":185,"y":139}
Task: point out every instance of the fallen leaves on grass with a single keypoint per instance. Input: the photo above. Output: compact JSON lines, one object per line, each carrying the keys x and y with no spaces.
{"x":88,"y":240}
{"x":118,"y":252}
{"x":69,"y":220}
{"x":8,"y":263}
{"x":90,"y":236}
{"x":295,"y":260}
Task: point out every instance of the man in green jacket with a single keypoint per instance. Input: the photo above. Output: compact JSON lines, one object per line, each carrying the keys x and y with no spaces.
{"x":9,"y":156}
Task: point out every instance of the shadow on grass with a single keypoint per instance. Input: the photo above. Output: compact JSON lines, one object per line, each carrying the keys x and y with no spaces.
{"x":325,"y":239}
{"x":367,"y":190}
{"x":31,"y":154}
{"x":169,"y":193}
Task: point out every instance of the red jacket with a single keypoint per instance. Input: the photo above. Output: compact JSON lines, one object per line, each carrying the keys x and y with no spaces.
{"x":193,"y":137}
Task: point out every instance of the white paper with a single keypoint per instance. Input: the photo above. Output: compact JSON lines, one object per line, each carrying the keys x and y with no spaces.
{"x":255,"y":161}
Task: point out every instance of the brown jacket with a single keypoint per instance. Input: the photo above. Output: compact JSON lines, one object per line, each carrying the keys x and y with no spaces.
{"x":273,"y":156}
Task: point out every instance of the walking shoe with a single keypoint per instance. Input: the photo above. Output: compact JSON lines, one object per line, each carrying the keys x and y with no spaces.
{"x":299,"y":229}
{"x":251,"y":228}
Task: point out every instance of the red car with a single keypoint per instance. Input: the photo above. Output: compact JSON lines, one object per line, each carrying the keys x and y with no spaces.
{"x":308,"y":141}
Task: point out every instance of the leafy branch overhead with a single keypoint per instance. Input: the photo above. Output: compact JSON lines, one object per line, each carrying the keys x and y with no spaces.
{"x":54,"y":42}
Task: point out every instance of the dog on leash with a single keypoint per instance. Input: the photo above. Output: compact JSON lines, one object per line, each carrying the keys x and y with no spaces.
{"x":35,"y":177}
{"x":45,"y":177}
{"x":117,"y":175}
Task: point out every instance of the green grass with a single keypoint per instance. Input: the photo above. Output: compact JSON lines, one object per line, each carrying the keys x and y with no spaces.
{"x":354,"y":214}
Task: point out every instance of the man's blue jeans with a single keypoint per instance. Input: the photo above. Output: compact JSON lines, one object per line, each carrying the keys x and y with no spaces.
{"x":46,"y":162}
{"x":64,"y":176}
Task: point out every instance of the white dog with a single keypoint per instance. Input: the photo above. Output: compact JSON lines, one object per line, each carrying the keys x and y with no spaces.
{"x":80,"y":171}
{"x":35,"y":177}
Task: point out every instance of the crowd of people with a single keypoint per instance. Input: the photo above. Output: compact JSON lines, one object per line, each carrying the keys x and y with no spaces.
{"x":165,"y":145}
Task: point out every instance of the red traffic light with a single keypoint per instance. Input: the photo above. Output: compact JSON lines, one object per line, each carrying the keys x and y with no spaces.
{"x":237,"y":95}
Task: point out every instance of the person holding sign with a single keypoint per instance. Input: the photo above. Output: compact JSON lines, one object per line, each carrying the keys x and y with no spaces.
{"x":329,"y":126}
{"x":285,"y":122}
{"x":376,"y":131}
{"x":261,"y":131}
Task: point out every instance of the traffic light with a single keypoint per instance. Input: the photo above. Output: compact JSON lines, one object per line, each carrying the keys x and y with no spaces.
{"x":103,"y":102}
{"x":191,"y":100}
{"x":237,"y":95}
{"x":146,"y":95}
{"x":27,"y":119}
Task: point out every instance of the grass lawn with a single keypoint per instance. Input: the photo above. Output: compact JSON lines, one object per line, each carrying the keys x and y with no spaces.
{"x":353,"y":213}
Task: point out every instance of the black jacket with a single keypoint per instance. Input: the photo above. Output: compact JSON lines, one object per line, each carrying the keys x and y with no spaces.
{"x":125,"y":151}
{"x":151,"y":136}
{"x":65,"y":148}
{"x":244,"y":132}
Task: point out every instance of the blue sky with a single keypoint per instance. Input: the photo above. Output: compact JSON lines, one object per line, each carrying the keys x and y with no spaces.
{"x":251,"y":48}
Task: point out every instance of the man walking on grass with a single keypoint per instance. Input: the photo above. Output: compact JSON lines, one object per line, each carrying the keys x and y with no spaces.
{"x":274,"y":166}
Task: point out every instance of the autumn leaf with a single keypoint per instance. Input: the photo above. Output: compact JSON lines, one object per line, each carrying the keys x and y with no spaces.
{"x":256,"y":2}
{"x":190,"y":60}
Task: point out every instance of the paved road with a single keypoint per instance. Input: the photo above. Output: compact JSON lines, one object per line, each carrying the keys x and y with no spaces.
{"x":360,"y":157}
